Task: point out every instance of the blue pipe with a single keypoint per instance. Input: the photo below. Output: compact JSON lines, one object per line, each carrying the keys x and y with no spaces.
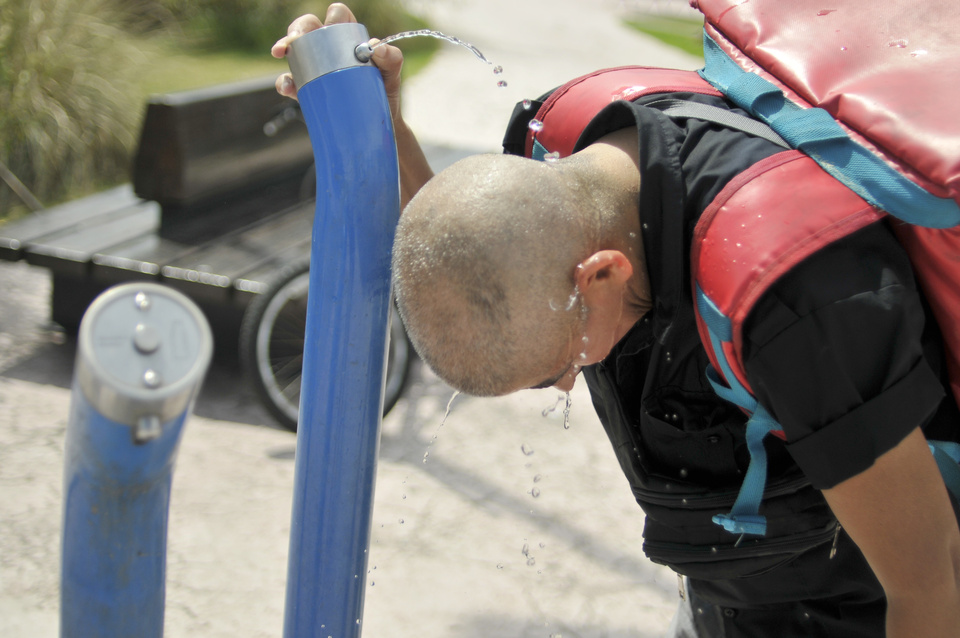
{"x":142,"y":352}
{"x":358,"y":206}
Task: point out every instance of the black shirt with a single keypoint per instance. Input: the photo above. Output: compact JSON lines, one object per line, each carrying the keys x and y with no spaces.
{"x":839,"y":350}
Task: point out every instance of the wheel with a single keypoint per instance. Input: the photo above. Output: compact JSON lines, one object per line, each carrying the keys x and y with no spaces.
{"x":271,"y":347}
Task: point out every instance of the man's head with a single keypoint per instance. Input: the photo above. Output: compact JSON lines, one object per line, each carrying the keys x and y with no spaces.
{"x":484,"y":264}
{"x":496,"y":261}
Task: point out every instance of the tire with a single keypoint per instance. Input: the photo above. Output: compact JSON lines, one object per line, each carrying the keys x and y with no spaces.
{"x":271,"y":347}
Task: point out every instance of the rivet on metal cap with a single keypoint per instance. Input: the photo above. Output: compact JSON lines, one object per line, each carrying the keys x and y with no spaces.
{"x":151,"y":379}
{"x":142,"y":301}
{"x":146,"y":339}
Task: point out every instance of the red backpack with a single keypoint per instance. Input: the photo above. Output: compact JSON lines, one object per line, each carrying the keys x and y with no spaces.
{"x":824,"y":108}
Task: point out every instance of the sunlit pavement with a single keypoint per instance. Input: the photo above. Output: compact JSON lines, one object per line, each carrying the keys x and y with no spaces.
{"x":499,"y":522}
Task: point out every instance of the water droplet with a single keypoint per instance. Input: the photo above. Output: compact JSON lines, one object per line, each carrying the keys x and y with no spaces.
{"x":551,"y":158}
{"x":537,"y":478}
{"x":843,"y":48}
{"x":918,"y":53}
{"x":897,"y":44}
{"x":527,"y":104}
{"x":542,"y":545}
{"x":404,"y":497}
{"x":497,"y":70}
{"x":525,"y":550}
{"x":535,"y":125}
{"x":502,"y":84}
{"x":535,"y":492}
{"x":526,"y":449}
{"x":824,"y":12}
{"x":547,"y":410}
{"x":425,"y":455}
{"x":566,"y":411}
{"x":683,"y":472}
{"x":531,"y":561}
{"x":499,"y":565}
{"x":401,"y":521}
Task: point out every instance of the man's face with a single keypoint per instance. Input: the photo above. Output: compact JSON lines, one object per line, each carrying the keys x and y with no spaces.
{"x":590,"y":342}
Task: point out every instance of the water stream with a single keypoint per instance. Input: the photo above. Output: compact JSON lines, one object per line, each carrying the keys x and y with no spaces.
{"x":364,"y":51}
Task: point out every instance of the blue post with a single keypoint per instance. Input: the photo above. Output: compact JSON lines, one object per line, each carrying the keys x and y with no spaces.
{"x":142,"y":353}
{"x":347,"y":115}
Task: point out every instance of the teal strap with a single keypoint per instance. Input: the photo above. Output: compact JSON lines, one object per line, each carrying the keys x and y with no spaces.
{"x":817,"y":134}
{"x":947,"y":456}
{"x":539,"y":151}
{"x":744,"y":517}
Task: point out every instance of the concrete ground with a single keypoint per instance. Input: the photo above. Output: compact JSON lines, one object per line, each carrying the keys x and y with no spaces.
{"x":511,"y":526}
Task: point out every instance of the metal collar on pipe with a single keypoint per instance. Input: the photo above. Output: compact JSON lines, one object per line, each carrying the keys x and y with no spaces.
{"x":325,"y":50}
{"x":142,"y":352}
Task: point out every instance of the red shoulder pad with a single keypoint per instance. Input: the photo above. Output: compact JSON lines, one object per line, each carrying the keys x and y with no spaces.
{"x":568,"y":110}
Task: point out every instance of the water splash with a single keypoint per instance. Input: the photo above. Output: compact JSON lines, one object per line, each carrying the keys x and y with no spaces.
{"x":433,"y":34}
{"x":571,"y":301}
{"x":526,"y":449}
{"x":552,"y":408}
{"x":364,"y":51}
{"x":442,"y":422}
{"x":566,"y":412}
{"x":897,"y":44}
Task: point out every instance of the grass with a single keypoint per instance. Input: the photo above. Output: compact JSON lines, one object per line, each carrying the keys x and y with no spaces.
{"x":67,"y":161}
{"x":178,"y":68}
{"x":685,"y":34}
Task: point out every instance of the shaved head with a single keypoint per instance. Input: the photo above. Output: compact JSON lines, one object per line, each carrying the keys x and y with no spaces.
{"x":484,"y":263}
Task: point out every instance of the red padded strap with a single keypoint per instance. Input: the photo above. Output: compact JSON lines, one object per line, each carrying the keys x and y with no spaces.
{"x":569,"y":109}
{"x":762,"y":224}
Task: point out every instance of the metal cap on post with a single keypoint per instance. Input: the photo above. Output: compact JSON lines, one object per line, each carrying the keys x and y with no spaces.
{"x":325,"y":50}
{"x":142,"y":352}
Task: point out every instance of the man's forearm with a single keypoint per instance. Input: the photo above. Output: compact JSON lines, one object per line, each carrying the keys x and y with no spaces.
{"x":415,"y":171}
{"x":936,"y":616}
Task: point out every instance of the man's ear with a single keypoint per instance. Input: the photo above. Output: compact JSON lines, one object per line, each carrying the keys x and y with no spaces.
{"x":602,"y":272}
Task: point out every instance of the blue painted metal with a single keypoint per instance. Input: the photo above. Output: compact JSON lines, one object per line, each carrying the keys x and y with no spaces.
{"x":338,"y":434}
{"x":116,"y":500}
{"x":142,"y":352}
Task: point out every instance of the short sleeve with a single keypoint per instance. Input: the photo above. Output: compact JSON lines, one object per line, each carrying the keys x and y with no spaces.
{"x":835,"y":351}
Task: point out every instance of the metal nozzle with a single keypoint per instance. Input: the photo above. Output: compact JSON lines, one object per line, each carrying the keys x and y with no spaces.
{"x":363,"y":52}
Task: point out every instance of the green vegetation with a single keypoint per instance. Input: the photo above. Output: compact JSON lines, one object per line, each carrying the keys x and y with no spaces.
{"x":685,"y":34}
{"x":74,"y":75}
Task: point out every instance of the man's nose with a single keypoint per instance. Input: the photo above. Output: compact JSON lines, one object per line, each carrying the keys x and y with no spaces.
{"x":566,"y":383}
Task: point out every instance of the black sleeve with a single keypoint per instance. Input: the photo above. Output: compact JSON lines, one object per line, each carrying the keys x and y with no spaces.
{"x":834,"y":350}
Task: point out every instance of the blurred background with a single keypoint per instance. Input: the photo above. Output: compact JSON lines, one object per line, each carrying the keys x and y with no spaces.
{"x":75,"y":74}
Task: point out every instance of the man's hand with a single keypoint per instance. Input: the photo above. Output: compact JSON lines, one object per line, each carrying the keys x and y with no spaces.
{"x":414,"y":168}
{"x":387,"y":58}
{"x":898,"y":512}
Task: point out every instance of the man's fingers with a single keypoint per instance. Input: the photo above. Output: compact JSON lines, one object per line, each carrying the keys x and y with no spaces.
{"x":285,"y":86}
{"x":298,"y":27}
{"x":338,"y":13}
{"x":388,"y":59}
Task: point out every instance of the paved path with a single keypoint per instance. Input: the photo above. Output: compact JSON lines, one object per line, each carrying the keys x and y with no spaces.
{"x":511,"y":526}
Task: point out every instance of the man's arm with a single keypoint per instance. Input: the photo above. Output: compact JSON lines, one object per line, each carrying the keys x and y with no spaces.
{"x":899,"y":513}
{"x":415,"y":171}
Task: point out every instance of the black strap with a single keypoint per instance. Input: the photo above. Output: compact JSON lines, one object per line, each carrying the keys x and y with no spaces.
{"x":709,"y":113}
